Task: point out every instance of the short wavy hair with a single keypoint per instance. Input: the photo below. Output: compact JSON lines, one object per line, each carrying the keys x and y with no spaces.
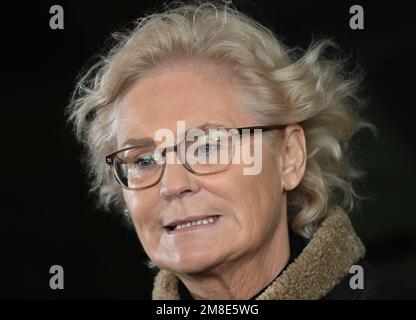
{"x":282,"y":85}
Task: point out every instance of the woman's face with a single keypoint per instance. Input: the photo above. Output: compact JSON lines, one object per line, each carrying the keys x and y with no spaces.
{"x":247,"y":206}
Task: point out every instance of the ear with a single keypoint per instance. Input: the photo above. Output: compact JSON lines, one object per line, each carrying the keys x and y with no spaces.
{"x":293,"y":156}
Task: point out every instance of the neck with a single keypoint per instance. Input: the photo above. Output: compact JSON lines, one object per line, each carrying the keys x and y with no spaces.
{"x":243,"y":279}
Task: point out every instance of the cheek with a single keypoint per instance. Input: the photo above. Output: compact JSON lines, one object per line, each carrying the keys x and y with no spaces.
{"x":133,"y":202}
{"x":256,"y":200}
{"x":143,"y":208}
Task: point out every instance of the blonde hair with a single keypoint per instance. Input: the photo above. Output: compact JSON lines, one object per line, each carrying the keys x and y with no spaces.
{"x":279,"y":85}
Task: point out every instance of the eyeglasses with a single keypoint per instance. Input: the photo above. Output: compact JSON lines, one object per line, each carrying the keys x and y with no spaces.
{"x":139,"y":167}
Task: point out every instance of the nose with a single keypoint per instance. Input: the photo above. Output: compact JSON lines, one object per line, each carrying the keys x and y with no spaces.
{"x":177,"y":182}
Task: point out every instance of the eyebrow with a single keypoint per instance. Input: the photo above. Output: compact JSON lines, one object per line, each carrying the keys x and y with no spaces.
{"x":209,"y":125}
{"x":143,"y":142}
{"x":147,"y":141}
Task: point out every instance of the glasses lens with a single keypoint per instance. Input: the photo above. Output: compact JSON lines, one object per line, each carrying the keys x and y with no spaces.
{"x":210,"y":152}
{"x":137,"y":168}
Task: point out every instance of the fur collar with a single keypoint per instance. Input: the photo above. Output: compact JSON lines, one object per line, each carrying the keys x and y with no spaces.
{"x":324,"y":262}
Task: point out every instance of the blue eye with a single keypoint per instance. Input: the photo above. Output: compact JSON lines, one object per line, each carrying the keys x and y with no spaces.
{"x":145,"y":162}
{"x":207,"y":148}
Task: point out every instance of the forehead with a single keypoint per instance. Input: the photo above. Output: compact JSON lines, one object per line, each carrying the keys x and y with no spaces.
{"x":196,"y":97}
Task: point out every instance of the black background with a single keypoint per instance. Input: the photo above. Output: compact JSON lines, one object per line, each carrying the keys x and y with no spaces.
{"x":46,"y":215}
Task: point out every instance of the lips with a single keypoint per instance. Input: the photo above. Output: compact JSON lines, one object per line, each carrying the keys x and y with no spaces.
{"x":171,"y":226}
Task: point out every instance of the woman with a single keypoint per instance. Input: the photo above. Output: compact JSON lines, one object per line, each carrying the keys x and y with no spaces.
{"x":211,"y":230}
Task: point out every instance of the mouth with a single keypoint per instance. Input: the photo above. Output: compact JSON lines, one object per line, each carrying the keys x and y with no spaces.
{"x":192,"y":224}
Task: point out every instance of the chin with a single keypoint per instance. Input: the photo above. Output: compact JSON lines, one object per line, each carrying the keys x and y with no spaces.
{"x":191,"y":264}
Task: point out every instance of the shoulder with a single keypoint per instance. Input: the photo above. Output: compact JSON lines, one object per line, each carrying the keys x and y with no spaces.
{"x":368,"y":283}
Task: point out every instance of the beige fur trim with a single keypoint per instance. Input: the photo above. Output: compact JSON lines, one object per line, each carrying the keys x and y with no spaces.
{"x":165,"y":286}
{"x":322,"y":264}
